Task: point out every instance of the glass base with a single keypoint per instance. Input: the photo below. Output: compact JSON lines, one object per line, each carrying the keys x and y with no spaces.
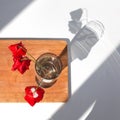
{"x":44,"y":82}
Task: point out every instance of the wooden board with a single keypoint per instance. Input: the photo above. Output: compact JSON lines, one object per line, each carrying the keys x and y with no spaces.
{"x":12,"y":83}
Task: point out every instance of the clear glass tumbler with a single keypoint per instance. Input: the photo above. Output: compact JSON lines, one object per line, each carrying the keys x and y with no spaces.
{"x":48,"y":66}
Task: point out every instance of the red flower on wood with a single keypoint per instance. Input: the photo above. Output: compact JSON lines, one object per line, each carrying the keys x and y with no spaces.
{"x":18,"y":49}
{"x":21,"y":62}
{"x":34,"y":94}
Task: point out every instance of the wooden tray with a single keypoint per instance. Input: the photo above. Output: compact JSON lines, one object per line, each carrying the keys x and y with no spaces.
{"x":12,"y":83}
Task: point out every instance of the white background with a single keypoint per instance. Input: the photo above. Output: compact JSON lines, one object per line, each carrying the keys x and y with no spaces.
{"x":49,"y":18}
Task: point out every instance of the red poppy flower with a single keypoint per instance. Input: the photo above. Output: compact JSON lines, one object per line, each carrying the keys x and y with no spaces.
{"x":18,"y":49}
{"x":34,"y":94}
{"x":21,"y":64}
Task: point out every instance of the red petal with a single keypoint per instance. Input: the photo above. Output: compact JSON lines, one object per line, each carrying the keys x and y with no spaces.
{"x":30,"y":100}
{"x":24,"y":66}
{"x":40,"y":93}
{"x":28,"y":89}
{"x":16,"y":64}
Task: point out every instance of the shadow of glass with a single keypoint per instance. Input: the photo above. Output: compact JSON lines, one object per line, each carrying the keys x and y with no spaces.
{"x":86,"y":35}
{"x":102,"y":86}
{"x":85,"y":39}
{"x":9,"y":9}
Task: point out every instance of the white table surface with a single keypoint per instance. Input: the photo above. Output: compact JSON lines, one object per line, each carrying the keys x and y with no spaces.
{"x":95,"y":81}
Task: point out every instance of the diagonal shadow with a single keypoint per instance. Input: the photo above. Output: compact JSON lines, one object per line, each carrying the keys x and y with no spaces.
{"x":102,"y":86}
{"x":9,"y":9}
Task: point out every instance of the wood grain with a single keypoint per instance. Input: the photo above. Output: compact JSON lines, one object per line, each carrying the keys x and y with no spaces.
{"x":12,"y":83}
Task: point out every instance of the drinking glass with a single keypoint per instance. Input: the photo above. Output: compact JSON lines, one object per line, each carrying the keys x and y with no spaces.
{"x":48,"y":67}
